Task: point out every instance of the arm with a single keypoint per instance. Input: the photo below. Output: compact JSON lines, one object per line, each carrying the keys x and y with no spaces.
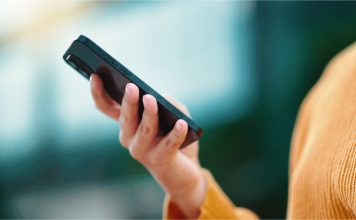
{"x":216,"y":205}
{"x":177,"y":171}
{"x":190,"y":190}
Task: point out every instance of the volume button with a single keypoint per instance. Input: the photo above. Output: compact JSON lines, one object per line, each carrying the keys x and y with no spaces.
{"x":114,"y":63}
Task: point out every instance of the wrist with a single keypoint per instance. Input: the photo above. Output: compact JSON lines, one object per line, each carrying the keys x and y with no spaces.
{"x":179,"y":177}
{"x":184,"y":181}
{"x":192,"y":187}
{"x":191,"y":197}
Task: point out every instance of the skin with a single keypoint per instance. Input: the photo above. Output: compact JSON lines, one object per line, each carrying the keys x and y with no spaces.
{"x":177,"y":171}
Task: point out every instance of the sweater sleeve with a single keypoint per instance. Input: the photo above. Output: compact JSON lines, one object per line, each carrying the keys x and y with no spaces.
{"x":216,"y":205}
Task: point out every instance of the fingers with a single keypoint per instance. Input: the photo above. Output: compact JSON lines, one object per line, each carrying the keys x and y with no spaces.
{"x":102,"y":100}
{"x":170,"y":144}
{"x":148,"y":128}
{"x":142,"y":139}
{"x":143,"y":136}
{"x":129,"y":114}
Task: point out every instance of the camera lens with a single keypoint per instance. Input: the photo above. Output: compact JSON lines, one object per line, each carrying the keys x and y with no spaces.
{"x":79,"y":65}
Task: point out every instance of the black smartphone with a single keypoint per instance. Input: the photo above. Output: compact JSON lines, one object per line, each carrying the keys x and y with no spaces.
{"x":86,"y":57}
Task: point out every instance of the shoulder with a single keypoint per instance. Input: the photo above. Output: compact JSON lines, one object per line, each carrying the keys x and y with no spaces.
{"x":337,"y":84}
{"x":342,"y":67}
{"x":332,"y":99}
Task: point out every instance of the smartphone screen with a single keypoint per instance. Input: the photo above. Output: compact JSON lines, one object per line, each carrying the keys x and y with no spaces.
{"x":86,"y":58}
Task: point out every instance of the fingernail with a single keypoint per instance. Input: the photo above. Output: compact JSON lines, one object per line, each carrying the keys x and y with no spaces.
{"x":180,"y":124}
{"x":129,"y":88}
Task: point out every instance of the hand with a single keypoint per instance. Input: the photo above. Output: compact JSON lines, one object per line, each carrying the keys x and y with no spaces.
{"x":177,"y":171}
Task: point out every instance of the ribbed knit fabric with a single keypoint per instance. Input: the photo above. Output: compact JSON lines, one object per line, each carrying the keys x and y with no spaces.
{"x":322,"y":182}
{"x":216,"y":205}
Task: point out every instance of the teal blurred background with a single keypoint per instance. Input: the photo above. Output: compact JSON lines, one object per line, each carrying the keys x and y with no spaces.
{"x":242,"y":68}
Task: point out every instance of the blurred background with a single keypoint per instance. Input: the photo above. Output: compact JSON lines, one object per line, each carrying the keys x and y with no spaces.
{"x":242,"y":68}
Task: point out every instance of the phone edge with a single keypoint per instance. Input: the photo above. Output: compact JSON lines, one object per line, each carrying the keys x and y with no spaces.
{"x":130,"y":75}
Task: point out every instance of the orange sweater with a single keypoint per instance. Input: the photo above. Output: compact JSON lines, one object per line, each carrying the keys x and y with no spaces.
{"x":322,"y":181}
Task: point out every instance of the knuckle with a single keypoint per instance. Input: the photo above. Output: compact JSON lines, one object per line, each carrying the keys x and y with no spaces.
{"x":145,"y":130}
{"x":168,"y":142}
{"x":174,"y":139}
{"x":136,"y":153}
{"x":123,"y":118}
{"x":123,"y":140}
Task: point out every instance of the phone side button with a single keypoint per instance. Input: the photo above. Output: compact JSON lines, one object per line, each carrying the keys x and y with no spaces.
{"x":114,"y":63}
